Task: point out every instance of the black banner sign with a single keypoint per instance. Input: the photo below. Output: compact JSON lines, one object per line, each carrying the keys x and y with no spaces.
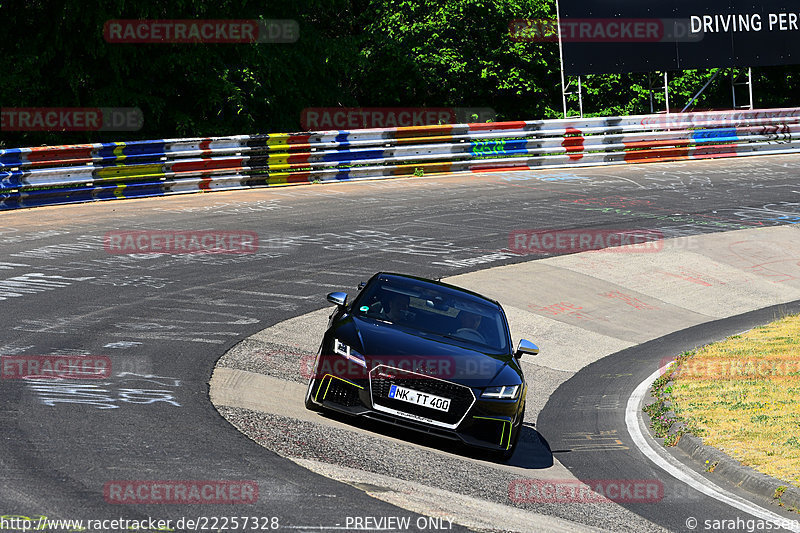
{"x":615,"y":36}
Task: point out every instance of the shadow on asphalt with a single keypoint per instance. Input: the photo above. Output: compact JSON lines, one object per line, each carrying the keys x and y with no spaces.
{"x":533,"y":451}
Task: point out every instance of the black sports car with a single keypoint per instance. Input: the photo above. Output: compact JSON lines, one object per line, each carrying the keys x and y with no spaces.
{"x":423,"y":355}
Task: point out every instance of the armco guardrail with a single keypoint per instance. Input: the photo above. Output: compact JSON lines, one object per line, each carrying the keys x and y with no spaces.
{"x":79,"y":173}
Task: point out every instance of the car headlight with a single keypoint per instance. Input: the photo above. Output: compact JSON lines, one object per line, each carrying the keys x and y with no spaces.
{"x":508,"y":392}
{"x":348,"y":353}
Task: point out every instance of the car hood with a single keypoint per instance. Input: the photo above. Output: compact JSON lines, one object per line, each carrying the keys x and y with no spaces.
{"x":420,"y":352}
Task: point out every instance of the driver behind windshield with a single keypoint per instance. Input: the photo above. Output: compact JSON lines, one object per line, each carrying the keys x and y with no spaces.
{"x":395,"y":307}
{"x":467,"y":320}
{"x":468,"y":324}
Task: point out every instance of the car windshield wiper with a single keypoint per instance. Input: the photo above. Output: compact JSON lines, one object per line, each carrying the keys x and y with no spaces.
{"x":468,"y":341}
{"x":460,"y":339}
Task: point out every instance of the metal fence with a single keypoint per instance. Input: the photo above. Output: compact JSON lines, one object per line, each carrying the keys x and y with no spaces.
{"x":104,"y":171}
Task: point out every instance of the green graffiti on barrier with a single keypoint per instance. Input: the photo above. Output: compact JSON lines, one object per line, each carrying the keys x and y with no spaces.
{"x":495,"y":147}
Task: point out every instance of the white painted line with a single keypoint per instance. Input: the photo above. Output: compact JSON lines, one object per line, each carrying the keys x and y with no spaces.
{"x":677,"y":470}
{"x":122,"y":344}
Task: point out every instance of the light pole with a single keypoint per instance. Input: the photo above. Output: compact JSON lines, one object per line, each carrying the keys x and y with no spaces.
{"x":561,"y":60}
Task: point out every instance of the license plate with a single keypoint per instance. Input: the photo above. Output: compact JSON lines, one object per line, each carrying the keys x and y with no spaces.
{"x":419,"y":398}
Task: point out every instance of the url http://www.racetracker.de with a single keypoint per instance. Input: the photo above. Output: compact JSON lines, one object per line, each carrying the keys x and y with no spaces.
{"x":149,"y":524}
{"x":215,"y":523}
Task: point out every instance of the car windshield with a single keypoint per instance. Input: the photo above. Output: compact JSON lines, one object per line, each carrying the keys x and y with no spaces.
{"x":435,"y":310}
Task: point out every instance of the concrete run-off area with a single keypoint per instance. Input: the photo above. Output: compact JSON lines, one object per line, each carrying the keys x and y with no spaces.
{"x":578,"y":308}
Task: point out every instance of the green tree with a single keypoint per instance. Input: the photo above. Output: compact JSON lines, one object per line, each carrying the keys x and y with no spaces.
{"x":453,"y":53}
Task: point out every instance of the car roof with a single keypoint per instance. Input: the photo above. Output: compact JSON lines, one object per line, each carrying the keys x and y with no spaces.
{"x":439,"y":284}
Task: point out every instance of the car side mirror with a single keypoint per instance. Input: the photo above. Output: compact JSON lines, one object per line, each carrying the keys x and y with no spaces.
{"x":338,"y":298}
{"x":526,"y":346}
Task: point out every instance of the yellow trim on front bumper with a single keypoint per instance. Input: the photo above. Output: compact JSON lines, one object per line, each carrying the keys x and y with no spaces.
{"x":316,"y":396}
{"x":503,"y":431}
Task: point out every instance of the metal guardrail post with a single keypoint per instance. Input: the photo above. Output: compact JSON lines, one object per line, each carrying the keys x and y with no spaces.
{"x":748,"y":83}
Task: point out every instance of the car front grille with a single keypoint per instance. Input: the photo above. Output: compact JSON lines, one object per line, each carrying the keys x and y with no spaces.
{"x":383,"y":377}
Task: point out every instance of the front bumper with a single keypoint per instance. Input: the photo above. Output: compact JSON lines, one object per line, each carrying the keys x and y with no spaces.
{"x":486,"y":424}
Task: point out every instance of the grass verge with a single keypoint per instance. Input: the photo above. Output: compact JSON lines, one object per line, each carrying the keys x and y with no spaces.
{"x":741,"y":396}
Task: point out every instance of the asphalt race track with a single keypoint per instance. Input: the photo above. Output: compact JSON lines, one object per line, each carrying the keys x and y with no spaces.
{"x":624,"y":461}
{"x":165,"y":319}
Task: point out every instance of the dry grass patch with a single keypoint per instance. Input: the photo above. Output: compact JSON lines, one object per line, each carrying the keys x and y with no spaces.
{"x":744,"y":396}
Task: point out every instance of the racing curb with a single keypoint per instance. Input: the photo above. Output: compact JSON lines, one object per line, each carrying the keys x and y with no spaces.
{"x":755,"y":482}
